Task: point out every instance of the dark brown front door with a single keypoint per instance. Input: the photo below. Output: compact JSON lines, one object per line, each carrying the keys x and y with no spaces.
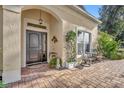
{"x":36,"y":46}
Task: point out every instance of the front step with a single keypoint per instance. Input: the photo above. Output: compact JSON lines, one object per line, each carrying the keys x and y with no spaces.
{"x":36,"y":63}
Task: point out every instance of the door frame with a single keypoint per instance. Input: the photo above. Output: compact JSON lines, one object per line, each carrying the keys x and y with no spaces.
{"x":25,"y":28}
{"x":35,"y":32}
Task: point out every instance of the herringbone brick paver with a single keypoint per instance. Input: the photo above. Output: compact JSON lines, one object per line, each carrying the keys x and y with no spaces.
{"x":107,"y":74}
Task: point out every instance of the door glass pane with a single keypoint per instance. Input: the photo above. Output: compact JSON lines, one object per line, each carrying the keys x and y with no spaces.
{"x":34,"y":40}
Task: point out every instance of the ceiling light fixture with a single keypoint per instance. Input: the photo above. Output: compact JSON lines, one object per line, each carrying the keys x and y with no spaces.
{"x":40,"y":19}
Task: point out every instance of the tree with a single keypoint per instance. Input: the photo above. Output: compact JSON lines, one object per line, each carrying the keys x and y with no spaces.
{"x":112,"y":17}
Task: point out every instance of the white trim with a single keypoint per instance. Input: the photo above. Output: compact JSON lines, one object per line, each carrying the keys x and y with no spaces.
{"x":26,"y":20}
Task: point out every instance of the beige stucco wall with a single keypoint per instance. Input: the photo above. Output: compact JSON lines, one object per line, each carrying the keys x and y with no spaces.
{"x":11,"y":46}
{"x":68,"y":14}
{"x":94,"y":37}
{"x":1,"y":39}
{"x":56,"y":30}
{"x":64,"y":12}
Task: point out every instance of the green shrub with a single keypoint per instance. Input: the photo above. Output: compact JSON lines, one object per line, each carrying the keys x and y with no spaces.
{"x":117,"y":56}
{"x":2,"y":85}
{"x":108,"y":46}
{"x":121,"y":50}
{"x":53,"y":63}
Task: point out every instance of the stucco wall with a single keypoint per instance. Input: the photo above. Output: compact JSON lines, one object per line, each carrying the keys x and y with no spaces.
{"x":56,"y":30}
{"x":12,"y":36}
{"x":11,"y":46}
{"x":76,"y":18}
{"x":68,"y":14}
{"x":1,"y":39}
{"x":94,"y":37}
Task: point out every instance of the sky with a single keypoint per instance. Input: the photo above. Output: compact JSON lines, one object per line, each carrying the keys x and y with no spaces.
{"x":93,"y":9}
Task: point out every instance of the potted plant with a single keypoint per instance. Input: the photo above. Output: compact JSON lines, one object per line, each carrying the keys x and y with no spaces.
{"x":2,"y":85}
{"x":71,"y":63}
{"x":71,"y":49}
{"x":55,"y":62}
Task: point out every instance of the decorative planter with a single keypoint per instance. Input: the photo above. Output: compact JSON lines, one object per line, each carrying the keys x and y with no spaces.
{"x":70,"y":65}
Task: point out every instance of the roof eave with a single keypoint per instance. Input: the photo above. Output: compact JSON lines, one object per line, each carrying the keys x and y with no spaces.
{"x":85,"y":13}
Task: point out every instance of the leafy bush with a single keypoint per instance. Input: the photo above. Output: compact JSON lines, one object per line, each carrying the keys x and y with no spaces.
{"x":117,"y":56}
{"x":108,"y":46}
{"x":2,"y":85}
{"x":53,"y":63}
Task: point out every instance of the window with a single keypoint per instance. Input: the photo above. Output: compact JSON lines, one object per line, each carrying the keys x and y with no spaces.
{"x":83,"y":41}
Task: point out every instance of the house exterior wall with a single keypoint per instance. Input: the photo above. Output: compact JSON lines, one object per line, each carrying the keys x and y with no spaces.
{"x":73,"y":17}
{"x":68,"y":14}
{"x":60,"y":20}
{"x":73,"y":20}
{"x":1,"y":40}
{"x":57,"y":31}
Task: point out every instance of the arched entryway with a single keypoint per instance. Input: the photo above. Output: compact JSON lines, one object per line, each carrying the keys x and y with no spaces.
{"x":30,"y":26}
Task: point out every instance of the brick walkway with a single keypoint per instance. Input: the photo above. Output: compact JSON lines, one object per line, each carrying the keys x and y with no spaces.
{"x":105,"y":74}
